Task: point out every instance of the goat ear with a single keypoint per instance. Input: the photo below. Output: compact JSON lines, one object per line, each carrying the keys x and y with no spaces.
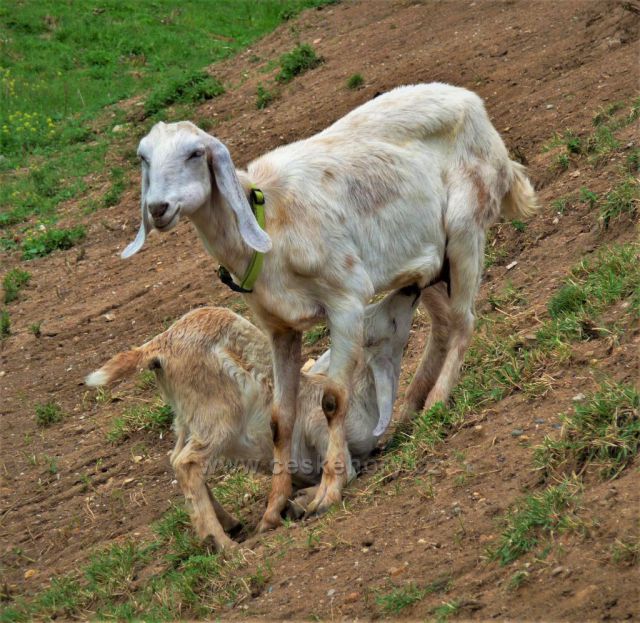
{"x":385,"y":383}
{"x":230,"y":188}
{"x":145,"y":225}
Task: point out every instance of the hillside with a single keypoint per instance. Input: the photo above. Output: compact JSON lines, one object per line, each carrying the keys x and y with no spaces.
{"x":439,"y":527}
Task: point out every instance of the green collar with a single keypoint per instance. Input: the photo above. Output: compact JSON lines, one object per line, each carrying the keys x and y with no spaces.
{"x":255,"y":265}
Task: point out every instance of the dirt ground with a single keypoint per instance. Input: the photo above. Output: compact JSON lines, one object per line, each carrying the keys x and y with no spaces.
{"x":541,"y":67}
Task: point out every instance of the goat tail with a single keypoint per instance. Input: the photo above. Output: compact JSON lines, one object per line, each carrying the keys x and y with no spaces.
{"x":520,"y":200}
{"x":121,"y":365}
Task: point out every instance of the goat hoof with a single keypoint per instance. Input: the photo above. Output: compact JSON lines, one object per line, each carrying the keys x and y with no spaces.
{"x":220,"y":545}
{"x":268,"y":524}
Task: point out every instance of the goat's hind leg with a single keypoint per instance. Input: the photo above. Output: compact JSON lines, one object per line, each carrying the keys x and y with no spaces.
{"x":190,"y":466}
{"x":436,"y":300}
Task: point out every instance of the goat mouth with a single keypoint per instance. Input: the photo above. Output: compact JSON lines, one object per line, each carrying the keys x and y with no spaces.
{"x":168,"y":224}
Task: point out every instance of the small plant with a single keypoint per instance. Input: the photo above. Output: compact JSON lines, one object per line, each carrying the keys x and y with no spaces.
{"x":314,"y":335}
{"x":573,"y":143}
{"x":153,"y":419}
{"x":146,"y":380}
{"x":626,"y":550}
{"x":603,"y":432}
{"x":300,"y":60}
{"x":49,"y":240}
{"x":622,"y":200}
{"x":536,"y":517}
{"x":12,"y":283}
{"x":633,"y":162}
{"x":264,"y":97}
{"x":519,"y":226}
{"x":5,"y":324}
{"x":400,"y":598}
{"x":443,"y":612}
{"x":588,"y":196}
{"x":355,"y":82}
{"x":48,"y":413}
{"x":113,"y":195}
{"x":562,"y":162}
{"x":517,"y":580}
{"x":35,"y":329}
{"x":560,"y":204}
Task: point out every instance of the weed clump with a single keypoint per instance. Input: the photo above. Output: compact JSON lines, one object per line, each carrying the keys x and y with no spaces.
{"x":196,"y":87}
{"x":13,"y":282}
{"x":300,"y":60}
{"x":48,"y":413}
{"x":154,"y":419}
{"x":5,"y":324}
{"x":264,"y":97}
{"x":603,"y":431}
{"x":355,"y":82}
{"x":44,"y":243}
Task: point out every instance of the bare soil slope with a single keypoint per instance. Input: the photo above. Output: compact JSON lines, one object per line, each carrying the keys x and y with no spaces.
{"x":542,"y":67}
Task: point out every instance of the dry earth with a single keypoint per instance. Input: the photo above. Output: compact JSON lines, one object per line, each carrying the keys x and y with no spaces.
{"x":542,"y":67}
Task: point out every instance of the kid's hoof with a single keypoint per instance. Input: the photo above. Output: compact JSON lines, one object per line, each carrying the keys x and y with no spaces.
{"x":267,"y":524}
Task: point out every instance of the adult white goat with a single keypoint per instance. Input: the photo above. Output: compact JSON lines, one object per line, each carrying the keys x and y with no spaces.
{"x":214,"y":368}
{"x":372,"y":203}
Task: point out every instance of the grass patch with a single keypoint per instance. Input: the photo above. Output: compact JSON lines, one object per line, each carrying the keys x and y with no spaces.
{"x":5,"y":324}
{"x":603,"y":432}
{"x":297,"y":62}
{"x":623,"y":200}
{"x":314,"y":335}
{"x":404,"y":596}
{"x":151,"y":418}
{"x":13,"y":282}
{"x":264,"y":97}
{"x":535,"y":518}
{"x":48,"y":414}
{"x":116,"y":189}
{"x":193,"y":88}
{"x":626,"y":550}
{"x":355,"y":82}
{"x":50,"y":240}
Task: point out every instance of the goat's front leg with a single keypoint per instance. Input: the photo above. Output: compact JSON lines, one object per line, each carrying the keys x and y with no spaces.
{"x":346,"y":327}
{"x":286,"y":350}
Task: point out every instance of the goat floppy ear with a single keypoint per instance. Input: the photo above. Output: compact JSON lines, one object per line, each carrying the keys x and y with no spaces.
{"x":230,"y":188}
{"x":145,"y":225}
{"x":385,"y":383}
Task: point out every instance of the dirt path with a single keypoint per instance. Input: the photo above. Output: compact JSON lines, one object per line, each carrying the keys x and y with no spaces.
{"x":542,"y":68}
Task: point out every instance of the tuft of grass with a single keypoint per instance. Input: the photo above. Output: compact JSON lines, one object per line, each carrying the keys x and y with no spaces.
{"x":562,"y":162}
{"x":48,"y":413}
{"x":314,"y":335}
{"x":295,"y":63}
{"x":404,"y":596}
{"x":50,"y":240}
{"x":443,"y":612}
{"x":518,"y":579}
{"x":623,"y":200}
{"x":535,"y":518}
{"x":116,"y":189}
{"x":603,"y":432}
{"x":155,"y":419}
{"x":519,"y":226}
{"x":35,"y":328}
{"x":355,"y":82}
{"x":194,"y":87}
{"x":588,"y":196}
{"x":13,"y":282}
{"x":5,"y":324}
{"x":264,"y":97}
{"x":626,"y":550}
{"x":633,"y":162}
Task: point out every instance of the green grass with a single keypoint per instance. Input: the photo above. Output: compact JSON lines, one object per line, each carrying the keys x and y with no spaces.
{"x":623,"y":200}
{"x":116,"y":189}
{"x":5,"y":324}
{"x":602,"y":432}
{"x":40,"y":244}
{"x":155,"y":418}
{"x":264,"y":97}
{"x":537,"y":518}
{"x":191,"y":89}
{"x":48,"y":413}
{"x":355,"y":82}
{"x":443,"y":612}
{"x":64,"y":64}
{"x":300,"y":60}
{"x":402,"y":597}
{"x":13,"y":282}
{"x":314,"y":335}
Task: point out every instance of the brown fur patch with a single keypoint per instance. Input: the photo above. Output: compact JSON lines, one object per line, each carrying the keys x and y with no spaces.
{"x":484,"y":211}
{"x":349,"y":262}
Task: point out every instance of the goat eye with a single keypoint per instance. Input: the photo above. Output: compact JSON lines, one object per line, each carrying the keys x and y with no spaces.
{"x":198,"y":153}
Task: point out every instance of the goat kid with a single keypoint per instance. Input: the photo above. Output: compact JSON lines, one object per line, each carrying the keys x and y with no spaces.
{"x":214,"y":369}
{"x":372,"y":203}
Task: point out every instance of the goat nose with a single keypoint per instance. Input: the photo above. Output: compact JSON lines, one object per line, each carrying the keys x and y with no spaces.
{"x":158,"y":209}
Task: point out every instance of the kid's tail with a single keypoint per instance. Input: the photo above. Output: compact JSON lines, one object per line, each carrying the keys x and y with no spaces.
{"x":520,"y":200}
{"x":123,"y":364}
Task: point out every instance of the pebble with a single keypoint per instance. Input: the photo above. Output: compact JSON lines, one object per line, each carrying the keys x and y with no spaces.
{"x":29,"y":573}
{"x":578,"y":397}
{"x":393,"y":571}
{"x":331,"y":592}
{"x":352,"y":597}
{"x":539,"y":420}
{"x":517,"y":432}
{"x":557,"y":571}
